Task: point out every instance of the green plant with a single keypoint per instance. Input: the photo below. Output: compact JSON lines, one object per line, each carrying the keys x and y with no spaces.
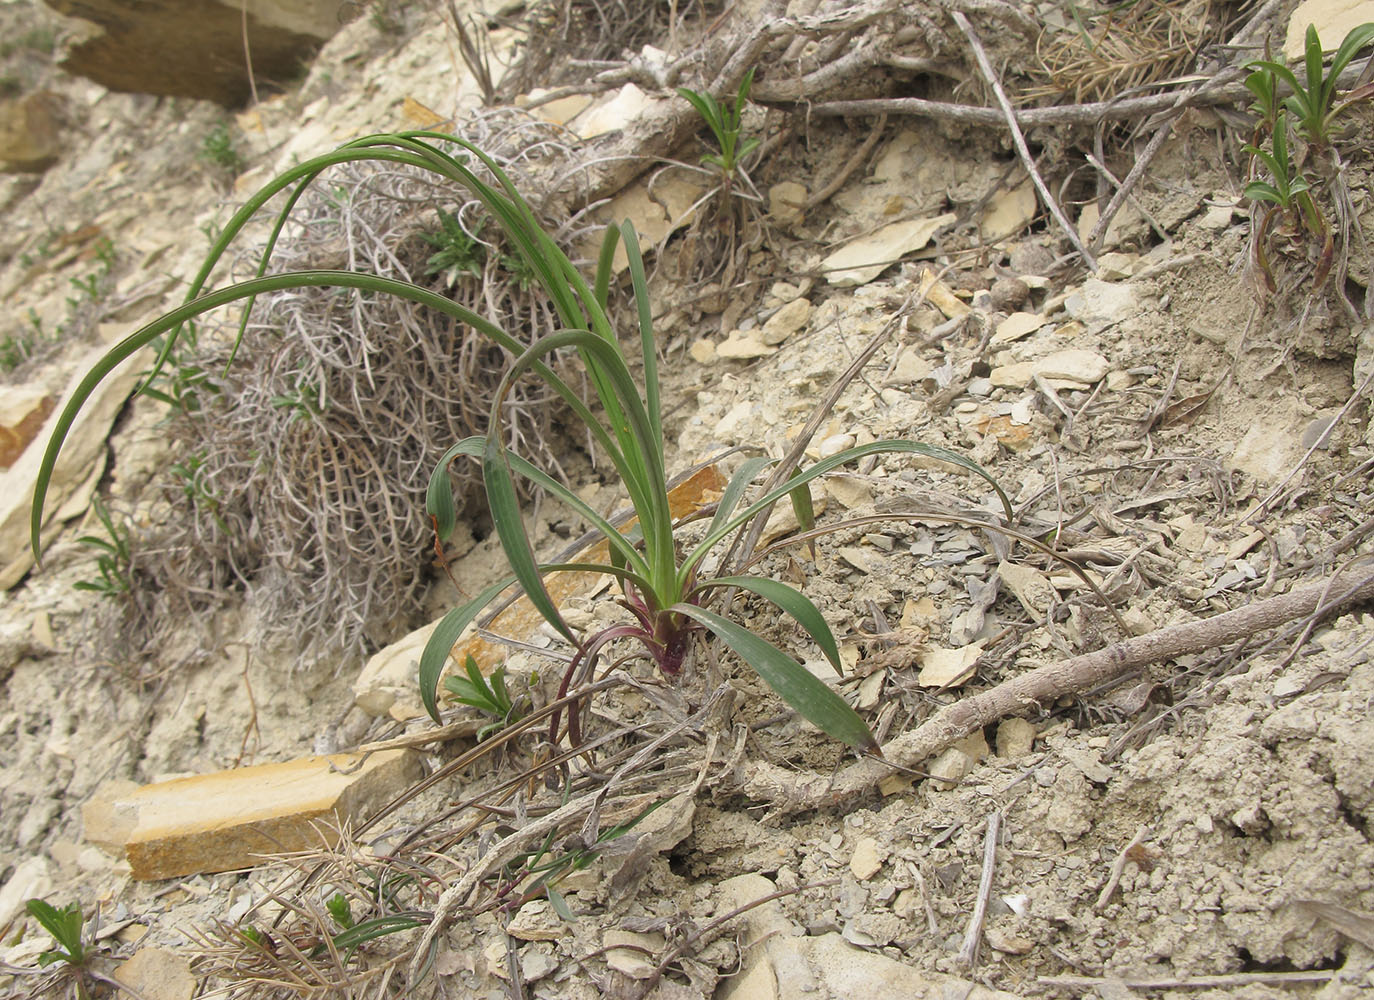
{"x":669,"y":593}
{"x":218,"y":149}
{"x":1314,"y":106}
{"x":67,"y":929}
{"x":724,"y":122}
{"x":456,"y":252}
{"x":114,"y":560}
{"x":490,"y":697}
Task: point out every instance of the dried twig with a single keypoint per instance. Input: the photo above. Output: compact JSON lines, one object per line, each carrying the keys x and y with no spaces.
{"x":850,"y":166}
{"x":1119,"y":867}
{"x":1022,"y":149}
{"x":1194,"y":982}
{"x":968,"y":954}
{"x":798,"y":793}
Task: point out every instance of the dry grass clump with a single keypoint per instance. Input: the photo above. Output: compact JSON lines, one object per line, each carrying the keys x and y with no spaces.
{"x":1108,"y":49}
{"x":302,"y":475}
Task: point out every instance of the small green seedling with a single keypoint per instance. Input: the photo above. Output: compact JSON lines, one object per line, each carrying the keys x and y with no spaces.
{"x":115,"y":556}
{"x":490,"y":697}
{"x":456,"y":251}
{"x":724,"y":121}
{"x":218,"y":149}
{"x":1314,"y":106}
{"x":65,"y":926}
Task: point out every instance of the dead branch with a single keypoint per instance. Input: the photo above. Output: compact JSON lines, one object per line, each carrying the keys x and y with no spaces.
{"x":1222,"y":980}
{"x":968,"y":954}
{"x":1022,"y":150}
{"x":791,"y":792}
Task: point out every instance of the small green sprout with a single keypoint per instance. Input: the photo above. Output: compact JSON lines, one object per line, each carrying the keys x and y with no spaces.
{"x":724,"y":121}
{"x":65,"y":926}
{"x":490,"y":697}
{"x":218,"y":149}
{"x":114,"y":560}
{"x":1314,"y":105}
{"x":456,"y":251}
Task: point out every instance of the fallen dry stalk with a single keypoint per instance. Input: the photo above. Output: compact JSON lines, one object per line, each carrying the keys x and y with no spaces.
{"x":791,"y":792}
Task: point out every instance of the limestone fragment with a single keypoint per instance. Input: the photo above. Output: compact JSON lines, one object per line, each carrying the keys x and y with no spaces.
{"x":786,"y":321}
{"x":863,"y":259}
{"x":22,"y":413}
{"x":158,"y":974}
{"x":867,"y":859}
{"x":231,"y":819}
{"x":1016,"y":326}
{"x":943,"y":668}
{"x":743,"y":346}
{"x":1015,"y":738}
{"x":631,"y":953}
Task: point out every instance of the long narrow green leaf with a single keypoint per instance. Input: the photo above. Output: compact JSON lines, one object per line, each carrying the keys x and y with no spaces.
{"x":504,"y":506}
{"x":714,"y":537}
{"x":734,"y":489}
{"x":794,"y":603}
{"x":604,"y":263}
{"x":440,"y":505}
{"x":647,"y":482}
{"x":647,"y":345}
{"x":796,"y":685}
{"x":434,"y":657}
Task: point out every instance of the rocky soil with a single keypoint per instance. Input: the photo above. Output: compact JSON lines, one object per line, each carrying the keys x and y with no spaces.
{"x":1199,"y":826}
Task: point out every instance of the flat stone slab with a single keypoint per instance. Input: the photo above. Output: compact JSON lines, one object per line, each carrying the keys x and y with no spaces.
{"x":231,"y":819}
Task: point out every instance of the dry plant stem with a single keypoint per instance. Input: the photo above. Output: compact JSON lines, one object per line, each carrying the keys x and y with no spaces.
{"x":783,"y":469}
{"x":1119,"y":868}
{"x":1022,"y":150}
{"x":1069,"y":114}
{"x":792,"y":792}
{"x":968,"y":954}
{"x":1195,"y":982}
{"x":1147,"y":156}
{"x":855,"y":161}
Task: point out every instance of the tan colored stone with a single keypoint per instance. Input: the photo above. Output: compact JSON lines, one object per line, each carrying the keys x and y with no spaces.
{"x":1015,"y":738}
{"x":1074,"y":365}
{"x":536,"y":921}
{"x":631,"y":953}
{"x":943,"y":668}
{"x":230,"y":819}
{"x":861,"y":260}
{"x":941,"y":296}
{"x":1016,"y":326}
{"x":743,"y":346}
{"x":1009,"y":212}
{"x":1029,"y":586}
{"x":654,"y":219}
{"x":1333,"y":20}
{"x":613,"y":113}
{"x":22,"y":412}
{"x":786,"y":321}
{"x":950,"y":768}
{"x":786,"y":202}
{"x":703,"y":351}
{"x":30,"y":132}
{"x":158,"y":974}
{"x":867,"y":859}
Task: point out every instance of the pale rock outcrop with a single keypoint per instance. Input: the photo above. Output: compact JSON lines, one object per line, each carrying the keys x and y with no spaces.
{"x":195,"y":48}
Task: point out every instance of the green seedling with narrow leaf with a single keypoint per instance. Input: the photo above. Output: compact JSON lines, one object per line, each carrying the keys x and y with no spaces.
{"x":114,"y":559}
{"x":1313,"y":104}
{"x":489,"y":696}
{"x":724,"y":122}
{"x":668,"y":590}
